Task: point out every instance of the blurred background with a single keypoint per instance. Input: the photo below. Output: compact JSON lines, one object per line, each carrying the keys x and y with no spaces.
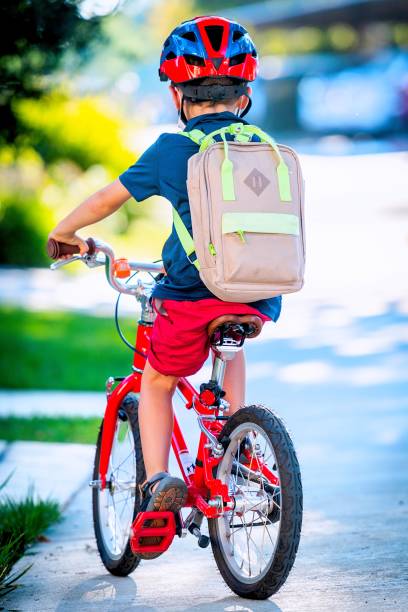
{"x":80,"y":100}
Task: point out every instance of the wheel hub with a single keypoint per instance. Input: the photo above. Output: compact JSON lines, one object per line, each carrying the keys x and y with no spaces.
{"x":256,"y":501}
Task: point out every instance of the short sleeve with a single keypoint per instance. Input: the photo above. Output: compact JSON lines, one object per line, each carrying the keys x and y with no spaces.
{"x":141,"y":179}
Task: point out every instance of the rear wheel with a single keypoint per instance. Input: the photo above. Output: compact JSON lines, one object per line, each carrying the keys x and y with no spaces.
{"x":116,"y":506}
{"x":255,"y":543}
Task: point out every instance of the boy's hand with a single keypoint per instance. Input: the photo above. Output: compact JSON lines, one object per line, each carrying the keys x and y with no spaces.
{"x":72,"y":239}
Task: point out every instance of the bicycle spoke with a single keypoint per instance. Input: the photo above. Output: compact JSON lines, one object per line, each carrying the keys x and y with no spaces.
{"x":117,"y":504}
{"x":267,"y":531}
{"x":251,"y":542}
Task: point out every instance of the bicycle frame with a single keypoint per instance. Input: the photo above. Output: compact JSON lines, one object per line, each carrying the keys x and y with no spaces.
{"x":199,"y":477}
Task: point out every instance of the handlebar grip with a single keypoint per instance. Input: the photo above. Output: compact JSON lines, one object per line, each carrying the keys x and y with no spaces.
{"x":55,"y":249}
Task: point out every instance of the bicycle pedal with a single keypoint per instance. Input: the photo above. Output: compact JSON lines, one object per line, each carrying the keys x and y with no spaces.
{"x":164,"y":534}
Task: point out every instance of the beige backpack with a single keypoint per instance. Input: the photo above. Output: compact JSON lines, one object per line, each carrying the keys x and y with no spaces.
{"x":246,"y":201}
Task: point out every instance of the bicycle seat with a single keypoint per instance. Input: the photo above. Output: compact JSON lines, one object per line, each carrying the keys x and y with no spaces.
{"x":252,"y":326}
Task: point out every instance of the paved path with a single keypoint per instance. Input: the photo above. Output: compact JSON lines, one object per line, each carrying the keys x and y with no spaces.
{"x":353,"y":549}
{"x":49,"y":470}
{"x":52,"y":403}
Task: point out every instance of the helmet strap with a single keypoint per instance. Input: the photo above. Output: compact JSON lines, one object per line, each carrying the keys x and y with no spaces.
{"x":182,"y":115}
{"x":247,"y":108}
{"x":215,"y":93}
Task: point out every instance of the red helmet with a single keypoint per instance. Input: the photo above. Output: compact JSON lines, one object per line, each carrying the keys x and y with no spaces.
{"x":208,"y":47}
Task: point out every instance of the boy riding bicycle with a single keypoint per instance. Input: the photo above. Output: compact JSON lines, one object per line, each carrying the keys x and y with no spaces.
{"x":209,"y":62}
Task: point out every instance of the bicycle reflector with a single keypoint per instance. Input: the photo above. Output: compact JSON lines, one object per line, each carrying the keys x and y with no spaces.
{"x":207,"y":397}
{"x":121,"y":268}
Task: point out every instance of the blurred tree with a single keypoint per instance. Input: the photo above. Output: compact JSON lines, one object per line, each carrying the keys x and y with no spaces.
{"x":87,"y":131}
{"x":24,"y":224}
{"x":34,"y":34}
{"x":164,"y":16}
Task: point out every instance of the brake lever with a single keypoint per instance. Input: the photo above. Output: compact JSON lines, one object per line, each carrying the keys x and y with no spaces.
{"x":92,"y":261}
{"x":65,"y":262}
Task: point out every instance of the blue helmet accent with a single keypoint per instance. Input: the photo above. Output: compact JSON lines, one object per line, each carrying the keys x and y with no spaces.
{"x":178,"y":42}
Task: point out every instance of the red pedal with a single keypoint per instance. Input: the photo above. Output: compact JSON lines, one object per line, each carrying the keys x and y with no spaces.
{"x":141,"y":530}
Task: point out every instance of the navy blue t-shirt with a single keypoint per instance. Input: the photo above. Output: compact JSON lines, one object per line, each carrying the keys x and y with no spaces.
{"x":162,"y":170}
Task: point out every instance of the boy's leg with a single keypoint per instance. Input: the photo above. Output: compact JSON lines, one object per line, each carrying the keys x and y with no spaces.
{"x":156,"y":419}
{"x":234,"y":382}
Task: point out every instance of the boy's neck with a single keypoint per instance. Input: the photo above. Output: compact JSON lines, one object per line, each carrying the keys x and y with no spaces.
{"x":195,"y":110}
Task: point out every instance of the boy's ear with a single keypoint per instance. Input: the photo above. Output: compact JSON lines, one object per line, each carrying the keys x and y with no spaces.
{"x":175,"y":94}
{"x":243,"y":101}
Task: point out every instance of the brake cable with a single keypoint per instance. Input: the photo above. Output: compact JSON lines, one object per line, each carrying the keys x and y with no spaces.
{"x":117,"y":324}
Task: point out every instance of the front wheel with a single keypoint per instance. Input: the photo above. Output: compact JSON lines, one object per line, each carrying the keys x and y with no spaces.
{"x":255,"y":542}
{"x":115,"y":507}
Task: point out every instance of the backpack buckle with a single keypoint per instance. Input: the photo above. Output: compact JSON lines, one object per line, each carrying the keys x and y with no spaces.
{"x":195,"y":262}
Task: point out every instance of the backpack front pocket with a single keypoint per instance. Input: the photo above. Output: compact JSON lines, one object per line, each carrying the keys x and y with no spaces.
{"x":261,"y":248}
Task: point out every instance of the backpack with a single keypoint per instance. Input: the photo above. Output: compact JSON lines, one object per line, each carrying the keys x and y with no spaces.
{"x":246,"y":202}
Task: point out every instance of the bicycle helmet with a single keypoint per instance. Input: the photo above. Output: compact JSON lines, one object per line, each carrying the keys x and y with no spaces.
{"x":209,"y":47}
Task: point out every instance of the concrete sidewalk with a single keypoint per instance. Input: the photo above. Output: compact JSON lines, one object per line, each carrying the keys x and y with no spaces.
{"x":354,"y":541}
{"x":342,"y":566}
{"x":50,"y":470}
{"x":52,"y":403}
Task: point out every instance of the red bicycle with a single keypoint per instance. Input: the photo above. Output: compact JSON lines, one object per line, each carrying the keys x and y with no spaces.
{"x":245,"y":479}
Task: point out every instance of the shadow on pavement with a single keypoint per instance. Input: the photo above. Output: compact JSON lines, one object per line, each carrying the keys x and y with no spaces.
{"x":107,"y":593}
{"x":235,"y":604}
{"x":112,"y":594}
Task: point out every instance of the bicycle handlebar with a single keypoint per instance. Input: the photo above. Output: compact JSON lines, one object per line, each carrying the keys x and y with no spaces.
{"x":55,"y":249}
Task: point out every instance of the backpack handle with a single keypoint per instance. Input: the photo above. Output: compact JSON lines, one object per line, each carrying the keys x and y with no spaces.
{"x":242,"y":133}
{"x":281,"y":168}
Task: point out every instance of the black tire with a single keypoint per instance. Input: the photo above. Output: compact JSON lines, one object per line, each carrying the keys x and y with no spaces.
{"x":291,"y":506}
{"x":128,"y":561}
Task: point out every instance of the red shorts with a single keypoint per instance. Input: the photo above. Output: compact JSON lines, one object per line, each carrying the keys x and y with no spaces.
{"x":179,"y":342}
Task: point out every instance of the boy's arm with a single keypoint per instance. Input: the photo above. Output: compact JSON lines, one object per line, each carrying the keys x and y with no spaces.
{"x":95,"y":208}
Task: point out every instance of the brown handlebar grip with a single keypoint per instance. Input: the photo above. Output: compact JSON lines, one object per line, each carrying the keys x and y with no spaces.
{"x":55,"y":249}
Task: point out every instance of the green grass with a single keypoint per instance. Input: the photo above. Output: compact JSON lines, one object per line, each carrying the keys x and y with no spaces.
{"x":58,"y":350}
{"x":21,"y":522}
{"x":50,"y":429}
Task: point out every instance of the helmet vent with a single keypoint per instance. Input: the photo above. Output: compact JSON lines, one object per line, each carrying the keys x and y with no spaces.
{"x":170,"y":55}
{"x":237,"y":35}
{"x":189,"y":36}
{"x":237,"y":59}
{"x":215,"y":33}
{"x":194,"y":60}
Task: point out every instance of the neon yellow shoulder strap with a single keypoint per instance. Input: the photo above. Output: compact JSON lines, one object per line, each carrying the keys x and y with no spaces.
{"x":185,"y":239}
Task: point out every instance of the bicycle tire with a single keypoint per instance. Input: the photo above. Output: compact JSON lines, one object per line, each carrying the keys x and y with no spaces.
{"x":291,"y":509}
{"x":128,"y":561}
